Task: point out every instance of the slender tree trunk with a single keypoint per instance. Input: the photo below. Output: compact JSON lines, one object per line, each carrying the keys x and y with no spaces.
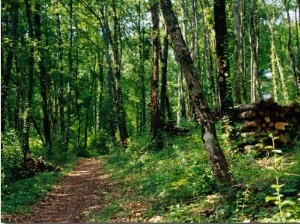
{"x":117,"y":49}
{"x":28,"y":104}
{"x":295,"y":70}
{"x":298,"y":46}
{"x":164,"y":68}
{"x":195,"y":46}
{"x":253,"y":52}
{"x":141,"y":72}
{"x":181,"y":109}
{"x":244,"y":91}
{"x":44,"y":84}
{"x":70,"y":74}
{"x":6,"y":66}
{"x":208,"y":53}
{"x":237,"y":52}
{"x":110,"y":78}
{"x":276,"y":66}
{"x":61,"y":99}
{"x":209,"y":137}
{"x":154,"y":106}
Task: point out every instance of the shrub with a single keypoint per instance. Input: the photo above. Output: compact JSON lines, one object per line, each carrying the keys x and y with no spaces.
{"x":11,"y":158}
{"x":99,"y":143}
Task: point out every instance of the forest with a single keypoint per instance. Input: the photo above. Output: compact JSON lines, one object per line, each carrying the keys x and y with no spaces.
{"x":192,"y":106}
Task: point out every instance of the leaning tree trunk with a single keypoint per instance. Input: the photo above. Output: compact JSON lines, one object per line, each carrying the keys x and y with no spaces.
{"x":209,"y":137}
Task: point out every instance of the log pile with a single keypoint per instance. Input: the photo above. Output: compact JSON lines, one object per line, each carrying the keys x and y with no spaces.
{"x":263,"y":119}
{"x":33,"y":166}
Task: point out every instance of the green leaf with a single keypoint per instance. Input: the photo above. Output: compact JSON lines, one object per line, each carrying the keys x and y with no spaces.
{"x":287,"y":202}
{"x":275,"y":186}
{"x":269,"y":147}
{"x":270,"y":198}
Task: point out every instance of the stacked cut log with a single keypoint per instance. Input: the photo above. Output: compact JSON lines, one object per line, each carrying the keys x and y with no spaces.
{"x":33,"y":166}
{"x":260,"y":119}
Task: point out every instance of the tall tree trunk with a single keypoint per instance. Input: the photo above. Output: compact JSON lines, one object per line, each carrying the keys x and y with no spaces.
{"x":276,"y":66}
{"x":195,"y":46}
{"x":181,"y":102}
{"x":224,"y":84}
{"x":6,"y":66}
{"x":61,"y":99}
{"x":208,"y":53}
{"x":28,"y":104}
{"x":142,"y":119}
{"x":253,"y":51}
{"x":117,"y":49}
{"x":238,"y":66}
{"x":110,"y":78}
{"x":70,"y":74}
{"x":164,"y":68}
{"x":295,"y":70}
{"x":298,"y":45}
{"x":154,"y":106}
{"x":209,"y":137}
{"x":44,"y":84}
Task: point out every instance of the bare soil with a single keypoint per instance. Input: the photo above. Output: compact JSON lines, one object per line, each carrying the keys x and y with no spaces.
{"x":78,"y":194}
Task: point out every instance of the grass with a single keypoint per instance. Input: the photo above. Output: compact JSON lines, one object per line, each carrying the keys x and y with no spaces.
{"x":177,"y":184}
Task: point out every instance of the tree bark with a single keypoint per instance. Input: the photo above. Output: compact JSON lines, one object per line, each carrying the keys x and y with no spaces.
{"x":110,"y":78}
{"x":61,"y":91}
{"x":142,"y":121}
{"x":208,"y":53}
{"x":276,"y":65}
{"x":164,"y":68}
{"x":224,"y":83}
{"x":253,"y":52}
{"x":6,"y":66}
{"x":238,"y":60}
{"x":209,"y":137}
{"x":117,"y":51}
{"x":28,"y":104}
{"x":157,"y":143}
{"x":44,"y":84}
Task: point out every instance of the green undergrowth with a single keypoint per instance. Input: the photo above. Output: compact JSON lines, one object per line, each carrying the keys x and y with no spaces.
{"x":19,"y":196}
{"x":176,"y":184}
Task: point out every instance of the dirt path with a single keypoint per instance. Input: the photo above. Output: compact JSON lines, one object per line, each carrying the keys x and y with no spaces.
{"x":78,"y":193}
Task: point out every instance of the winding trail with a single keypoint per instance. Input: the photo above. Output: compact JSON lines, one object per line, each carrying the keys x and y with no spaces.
{"x":76,"y":195}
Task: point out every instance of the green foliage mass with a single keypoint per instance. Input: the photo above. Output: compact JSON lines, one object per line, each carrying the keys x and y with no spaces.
{"x":178,"y":185}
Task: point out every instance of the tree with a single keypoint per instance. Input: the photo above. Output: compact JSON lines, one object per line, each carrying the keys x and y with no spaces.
{"x":224,"y":82}
{"x":239,"y":46}
{"x":43,"y":77}
{"x":209,"y":137}
{"x":116,"y":44}
{"x":253,"y":51}
{"x":275,"y":62}
{"x":155,"y":121}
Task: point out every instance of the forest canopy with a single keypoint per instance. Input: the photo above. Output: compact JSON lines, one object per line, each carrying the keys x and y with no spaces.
{"x":86,"y":77}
